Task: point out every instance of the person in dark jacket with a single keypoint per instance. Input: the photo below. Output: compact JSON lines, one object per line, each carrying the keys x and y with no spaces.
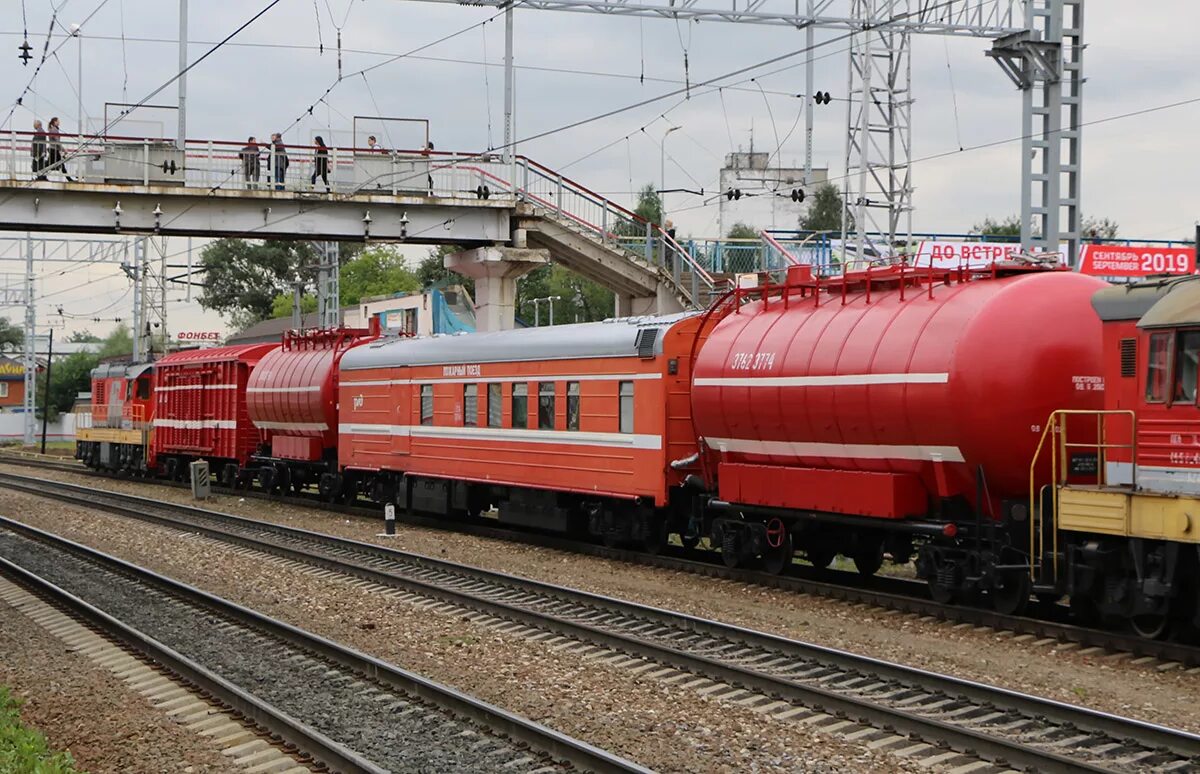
{"x":277,"y":160}
{"x":55,"y":159}
{"x":37,"y":151}
{"x":320,"y":164}
{"x":251,"y":163}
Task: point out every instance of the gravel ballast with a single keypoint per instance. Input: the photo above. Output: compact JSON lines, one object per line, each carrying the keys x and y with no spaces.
{"x":85,"y":709}
{"x":396,"y":732}
{"x":1096,"y":681}
{"x":665,"y":727}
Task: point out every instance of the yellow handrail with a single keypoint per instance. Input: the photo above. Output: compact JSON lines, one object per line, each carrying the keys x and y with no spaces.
{"x":1056,"y":428}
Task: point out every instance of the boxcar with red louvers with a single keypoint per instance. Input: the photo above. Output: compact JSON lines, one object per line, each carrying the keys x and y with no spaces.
{"x":569,"y":428}
{"x":292,"y":397}
{"x":201,"y":412}
{"x":893,"y":407}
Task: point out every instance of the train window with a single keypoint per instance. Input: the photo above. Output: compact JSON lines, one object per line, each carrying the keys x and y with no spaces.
{"x":143,"y":389}
{"x":1187,"y":358}
{"x":427,"y":404}
{"x":470,"y":405}
{"x":520,"y":405}
{"x":626,"y":406}
{"x":546,"y":406}
{"x":1157,"y":361}
{"x":495,"y":406}
{"x":3,"y":389}
{"x":572,"y":405}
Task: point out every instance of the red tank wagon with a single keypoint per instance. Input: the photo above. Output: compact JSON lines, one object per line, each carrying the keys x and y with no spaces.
{"x":200,"y":410}
{"x":292,"y":397}
{"x":567,"y":428}
{"x":880,"y":409}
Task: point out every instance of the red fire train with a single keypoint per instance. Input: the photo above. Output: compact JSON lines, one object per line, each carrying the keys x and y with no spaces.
{"x":893,"y":413}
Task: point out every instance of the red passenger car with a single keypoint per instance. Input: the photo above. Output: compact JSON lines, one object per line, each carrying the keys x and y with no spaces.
{"x":201,"y":410}
{"x":567,"y":428}
{"x":292,"y":398}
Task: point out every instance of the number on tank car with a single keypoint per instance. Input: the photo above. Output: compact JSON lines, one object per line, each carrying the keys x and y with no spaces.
{"x":752,"y":361}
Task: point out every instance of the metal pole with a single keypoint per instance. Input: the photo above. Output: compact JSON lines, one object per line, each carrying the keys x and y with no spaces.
{"x":189,"y":272}
{"x":537,"y":320}
{"x":808,"y":92}
{"x":46,"y":392}
{"x":30,"y":354}
{"x":79,"y":87}
{"x":297,"y":299}
{"x":181,"y":136}
{"x":509,"y":102}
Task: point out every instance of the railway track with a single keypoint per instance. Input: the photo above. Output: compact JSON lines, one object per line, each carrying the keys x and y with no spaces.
{"x":1046,"y":623}
{"x":869,"y":700}
{"x":346,"y":710}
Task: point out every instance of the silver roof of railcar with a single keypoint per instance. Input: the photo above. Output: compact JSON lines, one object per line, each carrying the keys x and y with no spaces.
{"x":611,"y":338}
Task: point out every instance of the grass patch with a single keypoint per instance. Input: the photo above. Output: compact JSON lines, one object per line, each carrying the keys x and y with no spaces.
{"x":24,"y":751}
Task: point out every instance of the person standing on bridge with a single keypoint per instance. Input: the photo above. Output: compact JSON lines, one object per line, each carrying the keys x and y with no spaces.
{"x":277,"y":160}
{"x":37,"y":151}
{"x":320,"y":164}
{"x":251,"y":163}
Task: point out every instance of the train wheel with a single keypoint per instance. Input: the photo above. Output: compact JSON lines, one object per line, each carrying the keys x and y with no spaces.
{"x":1153,"y":626}
{"x":777,"y":560}
{"x":266,"y":479}
{"x":655,"y":535}
{"x":229,"y":475}
{"x":689,"y":541}
{"x":284,"y":484}
{"x":941,"y":593}
{"x":1013,"y":596}
{"x":819,"y":557}
{"x":328,"y":486}
{"x":868,"y":558}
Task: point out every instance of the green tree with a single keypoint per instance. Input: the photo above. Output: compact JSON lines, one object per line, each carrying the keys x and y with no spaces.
{"x":1099,"y":228}
{"x":579,"y":298}
{"x":243,"y":278}
{"x":117,"y":343}
{"x":11,"y":336}
{"x":83,"y":337}
{"x":649,"y":207}
{"x":379,"y":271}
{"x":72,"y":374}
{"x":743,"y":231}
{"x":432,"y":271}
{"x":1091,"y":228}
{"x":824,"y":212}
{"x":1006,"y":228}
{"x":282,"y":305}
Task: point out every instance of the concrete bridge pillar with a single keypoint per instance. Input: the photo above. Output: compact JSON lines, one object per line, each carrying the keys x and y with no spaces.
{"x":495,"y":271}
{"x":626,"y":305}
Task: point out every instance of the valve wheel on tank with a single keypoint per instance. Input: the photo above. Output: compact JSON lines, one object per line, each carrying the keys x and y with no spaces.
{"x":780,"y":548}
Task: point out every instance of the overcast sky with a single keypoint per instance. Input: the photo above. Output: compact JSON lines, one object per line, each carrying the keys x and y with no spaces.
{"x":1138,"y":171}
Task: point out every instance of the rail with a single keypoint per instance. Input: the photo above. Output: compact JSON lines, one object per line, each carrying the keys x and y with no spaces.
{"x":1054,"y":439}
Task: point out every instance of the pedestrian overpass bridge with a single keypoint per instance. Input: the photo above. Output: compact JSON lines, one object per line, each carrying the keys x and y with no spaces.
{"x":508,"y":215}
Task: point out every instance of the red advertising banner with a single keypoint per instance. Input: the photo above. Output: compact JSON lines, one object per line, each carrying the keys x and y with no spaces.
{"x":1136,"y":260}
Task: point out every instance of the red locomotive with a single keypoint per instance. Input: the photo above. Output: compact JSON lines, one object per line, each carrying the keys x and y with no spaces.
{"x":896,"y":412}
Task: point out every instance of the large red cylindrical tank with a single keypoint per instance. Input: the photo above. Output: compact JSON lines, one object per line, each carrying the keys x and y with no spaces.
{"x":926,"y":388}
{"x":292,"y":394}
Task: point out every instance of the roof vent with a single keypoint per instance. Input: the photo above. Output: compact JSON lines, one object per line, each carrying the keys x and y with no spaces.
{"x":645,"y":342}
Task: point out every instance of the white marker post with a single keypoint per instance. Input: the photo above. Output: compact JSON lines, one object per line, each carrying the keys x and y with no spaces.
{"x":389,"y":520}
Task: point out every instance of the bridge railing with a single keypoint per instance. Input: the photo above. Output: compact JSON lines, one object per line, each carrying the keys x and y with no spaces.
{"x":224,"y":165}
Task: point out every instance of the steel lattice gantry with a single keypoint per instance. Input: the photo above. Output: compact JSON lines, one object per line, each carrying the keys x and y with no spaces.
{"x":1039,"y":43}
